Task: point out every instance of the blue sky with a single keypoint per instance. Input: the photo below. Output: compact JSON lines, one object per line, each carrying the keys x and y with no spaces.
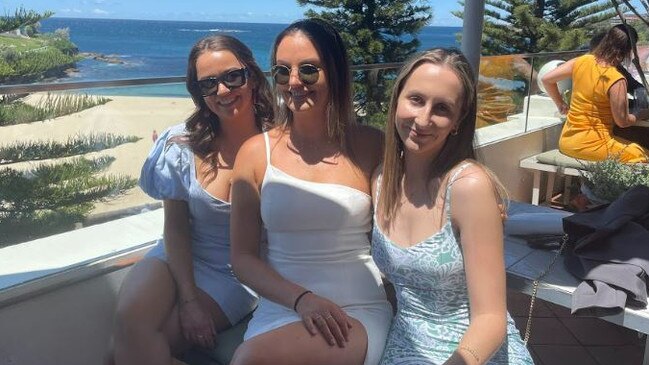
{"x":254,"y":11}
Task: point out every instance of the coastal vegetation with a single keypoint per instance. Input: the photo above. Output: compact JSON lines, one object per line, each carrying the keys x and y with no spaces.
{"x":75,"y":145}
{"x":48,"y":197}
{"x":51,"y":198}
{"x":28,"y":56}
{"x":14,"y":110}
{"x":374,"y":31}
{"x":533,"y":26}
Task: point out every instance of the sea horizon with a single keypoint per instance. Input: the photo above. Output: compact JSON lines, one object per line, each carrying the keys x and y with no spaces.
{"x":159,"y":48}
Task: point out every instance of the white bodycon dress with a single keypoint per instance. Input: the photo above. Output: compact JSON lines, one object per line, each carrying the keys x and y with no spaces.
{"x":318,"y":238}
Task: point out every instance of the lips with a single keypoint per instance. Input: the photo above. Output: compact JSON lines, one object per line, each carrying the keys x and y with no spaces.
{"x":415,"y":133}
{"x":227,"y":101}
{"x":299,"y":95}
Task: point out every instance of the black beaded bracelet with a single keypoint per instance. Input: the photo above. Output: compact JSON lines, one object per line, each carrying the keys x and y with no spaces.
{"x":297,"y":300}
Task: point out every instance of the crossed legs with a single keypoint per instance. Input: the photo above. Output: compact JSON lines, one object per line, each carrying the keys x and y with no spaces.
{"x":147,"y":325}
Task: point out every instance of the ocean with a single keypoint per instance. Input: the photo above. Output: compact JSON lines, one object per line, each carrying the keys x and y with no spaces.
{"x":153,"y":48}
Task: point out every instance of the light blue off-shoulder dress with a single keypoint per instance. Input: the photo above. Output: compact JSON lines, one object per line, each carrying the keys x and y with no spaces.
{"x":432,"y":299}
{"x":169,"y":172}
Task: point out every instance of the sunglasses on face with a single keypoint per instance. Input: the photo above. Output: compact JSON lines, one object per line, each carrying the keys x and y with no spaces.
{"x":231,"y":79}
{"x":307,"y":73}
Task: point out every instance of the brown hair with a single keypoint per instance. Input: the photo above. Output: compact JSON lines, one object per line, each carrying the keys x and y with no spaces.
{"x":616,"y":45}
{"x":203,"y":125}
{"x":457,"y":147}
{"x":331,"y":50}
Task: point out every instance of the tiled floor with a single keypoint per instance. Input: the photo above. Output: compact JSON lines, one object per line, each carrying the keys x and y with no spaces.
{"x":558,"y":338}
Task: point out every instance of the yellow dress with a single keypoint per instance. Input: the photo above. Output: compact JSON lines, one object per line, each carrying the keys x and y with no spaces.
{"x":588,"y":131}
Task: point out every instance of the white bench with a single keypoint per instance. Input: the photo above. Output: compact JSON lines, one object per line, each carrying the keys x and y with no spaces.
{"x":551,"y":162}
{"x":524,"y":264}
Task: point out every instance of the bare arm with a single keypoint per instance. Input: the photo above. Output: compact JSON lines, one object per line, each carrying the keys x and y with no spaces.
{"x":550,"y":80}
{"x":245,"y":233}
{"x":619,"y":104}
{"x":249,"y":267}
{"x":196,"y":322}
{"x":177,"y":238}
{"x":476,"y":213}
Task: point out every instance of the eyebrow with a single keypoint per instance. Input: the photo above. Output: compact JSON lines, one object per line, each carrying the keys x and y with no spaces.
{"x":233,"y":68}
{"x":312,"y":61}
{"x":417,"y":92}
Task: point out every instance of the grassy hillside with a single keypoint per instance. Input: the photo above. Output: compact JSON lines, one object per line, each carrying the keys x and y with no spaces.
{"x":28,"y":59}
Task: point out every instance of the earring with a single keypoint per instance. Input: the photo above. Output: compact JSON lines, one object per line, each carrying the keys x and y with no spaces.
{"x":455,"y":131}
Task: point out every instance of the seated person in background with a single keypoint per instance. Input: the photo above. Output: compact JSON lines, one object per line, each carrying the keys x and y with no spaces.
{"x":598,"y":102}
{"x":635,"y":134}
{"x":438,"y":232}
{"x":183,"y":293}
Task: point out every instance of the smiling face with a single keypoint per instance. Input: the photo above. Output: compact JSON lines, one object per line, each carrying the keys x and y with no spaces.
{"x":428,"y":108}
{"x":294,"y":50}
{"x":225,"y":103}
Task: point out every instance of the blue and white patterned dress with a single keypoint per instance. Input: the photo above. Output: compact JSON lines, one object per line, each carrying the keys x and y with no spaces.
{"x":433,"y":303}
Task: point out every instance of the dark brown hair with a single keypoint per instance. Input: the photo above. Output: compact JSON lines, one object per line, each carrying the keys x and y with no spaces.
{"x":333,"y":54}
{"x":616,"y":44}
{"x":203,"y":125}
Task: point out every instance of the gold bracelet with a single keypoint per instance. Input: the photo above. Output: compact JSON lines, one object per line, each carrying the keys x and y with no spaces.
{"x":471,"y":351}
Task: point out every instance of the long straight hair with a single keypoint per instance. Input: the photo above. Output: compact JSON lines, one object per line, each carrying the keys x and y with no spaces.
{"x":457,"y":147}
{"x":331,"y":49}
{"x":204,"y":125}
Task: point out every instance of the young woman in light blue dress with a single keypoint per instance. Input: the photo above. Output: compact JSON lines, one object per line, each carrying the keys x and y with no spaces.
{"x":183,"y":293}
{"x":438,"y":230}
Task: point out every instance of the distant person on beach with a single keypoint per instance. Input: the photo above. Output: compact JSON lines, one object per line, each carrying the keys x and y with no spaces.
{"x":598,"y":101}
{"x":635,"y":88}
{"x":307,"y":181}
{"x":438,"y":224}
{"x":183,"y":293}
{"x":154,"y":136}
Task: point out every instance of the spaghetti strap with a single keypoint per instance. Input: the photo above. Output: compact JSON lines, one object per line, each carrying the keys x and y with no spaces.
{"x":451,"y":180}
{"x":267,"y":140}
{"x":377,"y":195}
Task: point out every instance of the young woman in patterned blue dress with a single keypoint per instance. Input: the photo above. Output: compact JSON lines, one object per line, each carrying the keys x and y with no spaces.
{"x":183,"y":293}
{"x":445,"y":259}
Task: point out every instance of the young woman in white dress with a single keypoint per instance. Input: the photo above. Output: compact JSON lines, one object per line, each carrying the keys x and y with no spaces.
{"x":308,"y":182}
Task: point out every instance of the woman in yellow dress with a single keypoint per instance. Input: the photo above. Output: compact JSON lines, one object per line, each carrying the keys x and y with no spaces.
{"x":598,"y":102}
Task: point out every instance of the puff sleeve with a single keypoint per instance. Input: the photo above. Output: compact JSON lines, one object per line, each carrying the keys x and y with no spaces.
{"x":166,"y":173}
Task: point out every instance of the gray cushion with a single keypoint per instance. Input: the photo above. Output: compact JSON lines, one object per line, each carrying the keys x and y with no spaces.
{"x":554,"y":157}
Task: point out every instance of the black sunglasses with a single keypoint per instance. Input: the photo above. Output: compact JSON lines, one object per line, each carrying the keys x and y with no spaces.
{"x":307,"y":73}
{"x":231,"y":79}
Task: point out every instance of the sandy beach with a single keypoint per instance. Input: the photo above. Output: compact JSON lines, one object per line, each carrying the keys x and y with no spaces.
{"x":123,"y":115}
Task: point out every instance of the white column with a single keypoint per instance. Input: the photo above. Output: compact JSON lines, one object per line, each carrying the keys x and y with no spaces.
{"x":472,"y":31}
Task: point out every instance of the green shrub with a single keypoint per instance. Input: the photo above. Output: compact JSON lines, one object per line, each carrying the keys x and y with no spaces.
{"x":37,"y":62}
{"x":52,"y":197}
{"x":74,"y":146}
{"x":610,"y":178}
{"x":50,"y":106}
